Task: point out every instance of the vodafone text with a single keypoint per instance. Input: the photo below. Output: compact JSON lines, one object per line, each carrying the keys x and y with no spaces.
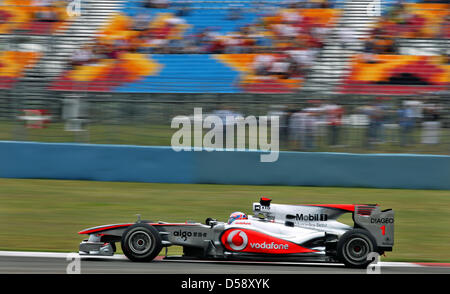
{"x":272,"y":245}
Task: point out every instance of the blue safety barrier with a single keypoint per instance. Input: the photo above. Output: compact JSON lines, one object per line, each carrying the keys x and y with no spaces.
{"x":163,"y":165}
{"x":408,"y":171}
{"x":95,"y":162}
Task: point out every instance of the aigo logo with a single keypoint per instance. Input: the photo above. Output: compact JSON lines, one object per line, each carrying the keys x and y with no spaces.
{"x":237,"y":240}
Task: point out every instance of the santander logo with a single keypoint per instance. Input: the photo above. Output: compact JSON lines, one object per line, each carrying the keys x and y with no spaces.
{"x":237,"y":240}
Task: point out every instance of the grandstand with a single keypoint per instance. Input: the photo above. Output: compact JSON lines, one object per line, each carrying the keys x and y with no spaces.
{"x":393,"y":62}
{"x":274,"y":51}
{"x":231,"y":44}
{"x":249,"y":46}
{"x":92,"y":107}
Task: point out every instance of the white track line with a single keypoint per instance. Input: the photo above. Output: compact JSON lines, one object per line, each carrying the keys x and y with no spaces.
{"x":122,"y":257}
{"x":255,"y":262}
{"x":54,"y":255}
{"x":382,"y":264}
{"x":398,"y":264}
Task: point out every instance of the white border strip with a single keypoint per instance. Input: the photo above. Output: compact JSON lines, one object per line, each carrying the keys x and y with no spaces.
{"x":122,"y":257}
{"x":54,"y":255}
{"x":399,"y":264}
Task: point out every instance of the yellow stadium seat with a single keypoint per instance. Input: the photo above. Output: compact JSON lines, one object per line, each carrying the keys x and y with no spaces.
{"x":139,"y":65}
{"x":15,"y":62}
{"x":85,"y":73}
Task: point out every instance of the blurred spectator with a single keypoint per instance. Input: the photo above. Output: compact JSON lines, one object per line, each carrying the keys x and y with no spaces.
{"x":233,"y":43}
{"x":223,"y":113}
{"x":445,"y":28}
{"x":235,"y":12}
{"x":291,"y":17}
{"x":406,"y":123}
{"x":262,"y":64}
{"x":303,"y":129}
{"x":283,"y":118}
{"x":156,"y":3}
{"x":280,"y":67}
{"x":184,"y":9}
{"x":334,"y":115}
{"x":141,"y":22}
{"x":82,"y":56}
{"x":45,"y":11}
{"x":404,"y":21}
{"x":296,"y":3}
{"x":389,"y":130}
{"x":369,"y":51}
{"x":430,"y":125}
{"x":303,"y":59}
{"x":309,"y":129}
{"x":375,"y":115}
{"x":382,"y":118}
{"x":347,"y":37}
{"x":295,"y":123}
{"x":285,"y":32}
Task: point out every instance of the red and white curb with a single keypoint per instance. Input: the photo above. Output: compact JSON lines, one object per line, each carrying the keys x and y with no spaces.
{"x":161,"y":258}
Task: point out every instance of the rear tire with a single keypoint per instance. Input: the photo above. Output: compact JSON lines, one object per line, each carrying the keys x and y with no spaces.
{"x":354,"y":247}
{"x":141,"y":242}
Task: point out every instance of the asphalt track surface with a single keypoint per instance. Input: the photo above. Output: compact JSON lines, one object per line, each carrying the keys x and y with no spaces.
{"x":57,"y":263}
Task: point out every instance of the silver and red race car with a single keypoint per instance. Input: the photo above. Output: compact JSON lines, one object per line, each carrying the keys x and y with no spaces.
{"x":274,"y":232}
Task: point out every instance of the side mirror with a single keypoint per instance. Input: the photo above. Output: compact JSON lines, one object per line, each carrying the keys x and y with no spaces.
{"x":210,"y":221}
{"x":265,"y":201}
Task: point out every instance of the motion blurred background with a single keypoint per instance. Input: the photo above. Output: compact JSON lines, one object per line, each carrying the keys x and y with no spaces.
{"x":342,"y":75}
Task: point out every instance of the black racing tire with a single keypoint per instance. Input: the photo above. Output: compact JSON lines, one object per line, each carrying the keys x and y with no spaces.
{"x":354,"y":246}
{"x":141,"y":243}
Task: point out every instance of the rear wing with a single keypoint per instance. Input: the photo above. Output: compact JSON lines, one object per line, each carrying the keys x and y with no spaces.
{"x":380,"y":223}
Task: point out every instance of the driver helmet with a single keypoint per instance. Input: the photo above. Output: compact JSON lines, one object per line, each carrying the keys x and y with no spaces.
{"x":236,"y":215}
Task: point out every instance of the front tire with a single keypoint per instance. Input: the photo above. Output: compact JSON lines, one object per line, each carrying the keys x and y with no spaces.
{"x":354,"y":247}
{"x":141,"y":242}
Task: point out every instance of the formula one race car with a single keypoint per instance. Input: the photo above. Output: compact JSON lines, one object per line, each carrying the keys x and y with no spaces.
{"x":274,"y":232}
